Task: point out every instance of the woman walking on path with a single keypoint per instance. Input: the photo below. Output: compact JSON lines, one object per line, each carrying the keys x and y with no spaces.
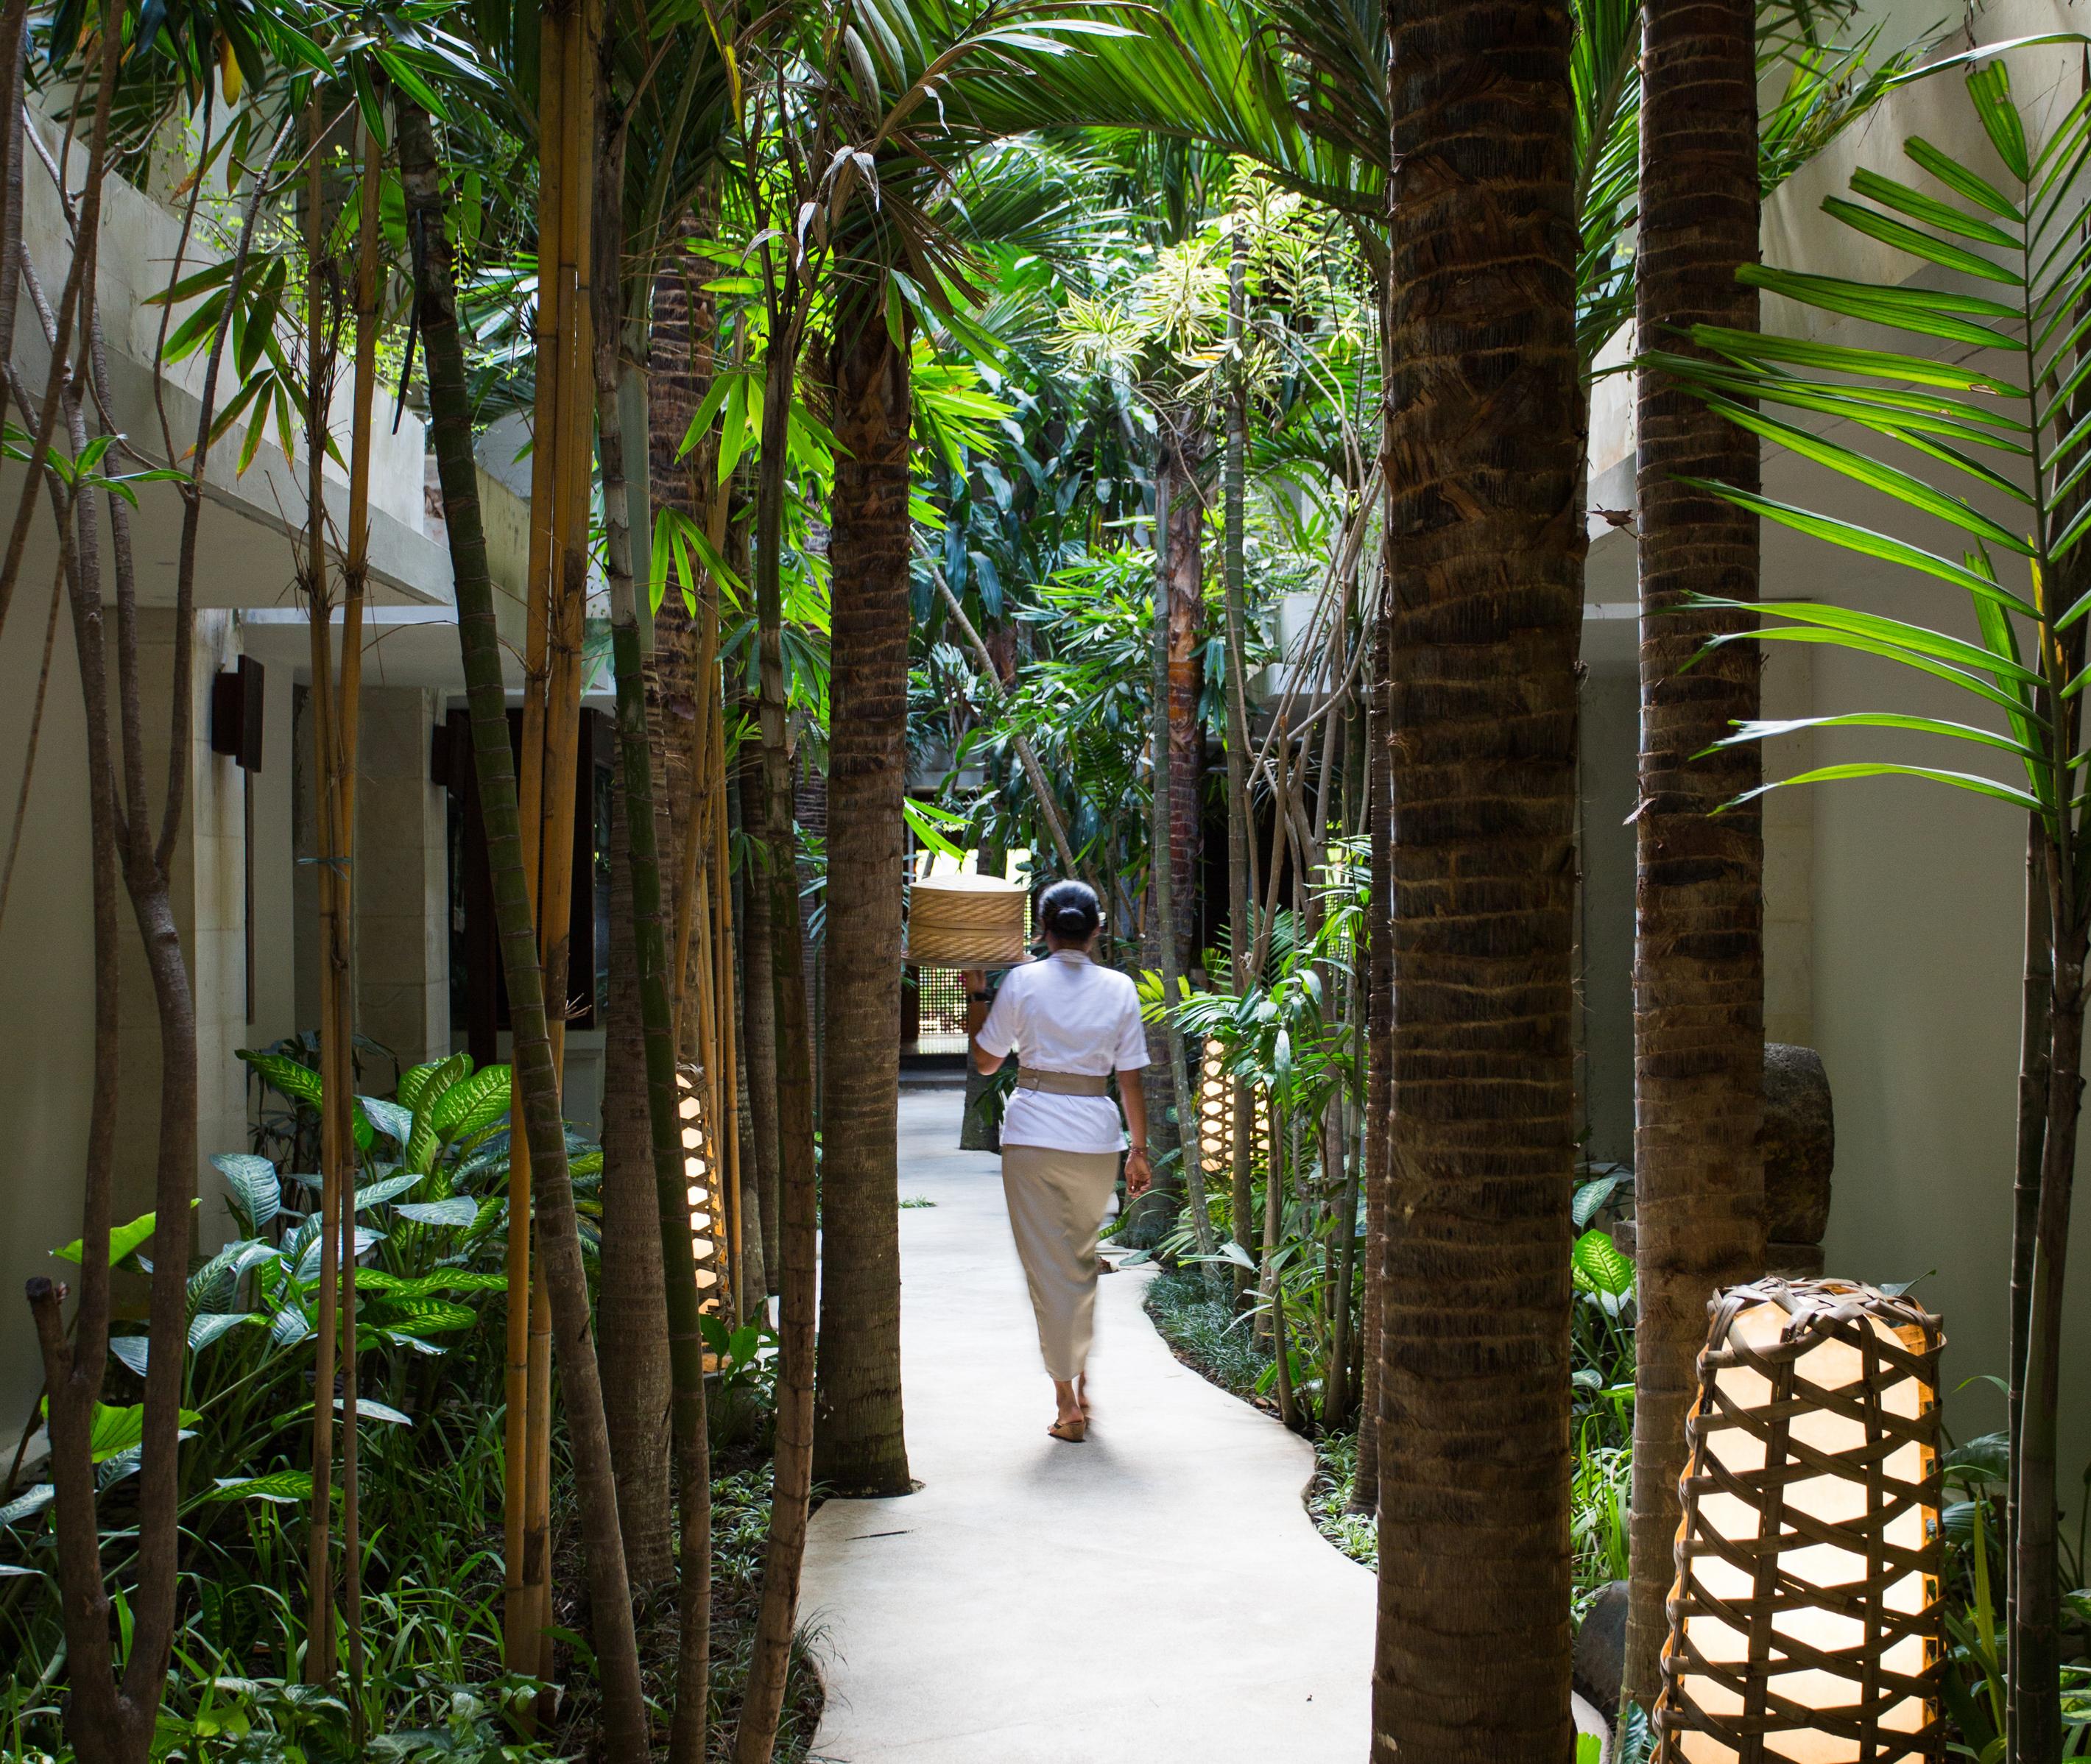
{"x":1075,"y":1024}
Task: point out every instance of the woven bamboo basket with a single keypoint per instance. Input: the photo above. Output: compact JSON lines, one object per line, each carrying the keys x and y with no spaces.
{"x":1804,"y":1623}
{"x":966,"y":921}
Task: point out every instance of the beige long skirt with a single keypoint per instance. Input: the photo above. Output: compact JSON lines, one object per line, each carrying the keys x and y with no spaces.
{"x":1057,"y":1202}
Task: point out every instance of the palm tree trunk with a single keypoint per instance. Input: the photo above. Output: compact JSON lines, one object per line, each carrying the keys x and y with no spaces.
{"x":1699,"y":943}
{"x":537,"y":1077}
{"x":1486,"y":591}
{"x":632,"y":1310}
{"x":792,"y":1482}
{"x":860,"y":1445}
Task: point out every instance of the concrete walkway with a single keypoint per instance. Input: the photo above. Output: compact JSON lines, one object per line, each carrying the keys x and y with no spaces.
{"x":1156,"y":1596}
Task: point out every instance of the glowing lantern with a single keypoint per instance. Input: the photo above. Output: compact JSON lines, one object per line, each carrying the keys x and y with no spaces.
{"x":1804,"y":1623}
{"x":1216,"y":1116}
{"x":707,"y":1226}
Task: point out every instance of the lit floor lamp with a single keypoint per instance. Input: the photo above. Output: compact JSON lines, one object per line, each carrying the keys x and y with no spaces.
{"x":1804,"y":1623}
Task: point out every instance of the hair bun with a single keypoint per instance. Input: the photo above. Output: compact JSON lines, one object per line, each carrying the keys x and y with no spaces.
{"x":1069,"y":910}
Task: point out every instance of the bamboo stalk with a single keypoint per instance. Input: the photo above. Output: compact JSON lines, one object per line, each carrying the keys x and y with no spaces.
{"x":520,"y":1628}
{"x":355,"y":576}
{"x":335,"y":1068}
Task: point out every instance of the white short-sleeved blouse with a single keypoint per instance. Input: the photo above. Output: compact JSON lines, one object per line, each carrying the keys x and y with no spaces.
{"x":1066,"y":1014}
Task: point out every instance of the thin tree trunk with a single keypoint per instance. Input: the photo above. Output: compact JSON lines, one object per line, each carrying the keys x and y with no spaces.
{"x":1486,"y":594}
{"x":756,"y":1739}
{"x":1241,"y":827}
{"x":1379,"y":1055}
{"x":537,"y":1077}
{"x":2035,"y":1043}
{"x":672,"y":1264}
{"x":2035,"y":1656}
{"x":860,"y":1445}
{"x":1176,"y":514}
{"x":631,"y":1312}
{"x":1699,"y":930}
{"x":1184,"y":573}
{"x":758,"y":1007}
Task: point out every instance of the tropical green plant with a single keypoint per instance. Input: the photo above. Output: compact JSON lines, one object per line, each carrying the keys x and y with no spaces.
{"x":1977,"y":401}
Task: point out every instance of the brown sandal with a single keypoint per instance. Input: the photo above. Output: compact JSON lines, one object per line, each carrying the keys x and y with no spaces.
{"x":1074,"y":1432}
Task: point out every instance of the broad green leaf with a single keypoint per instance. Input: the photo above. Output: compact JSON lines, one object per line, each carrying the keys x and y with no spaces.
{"x":133,"y":1351}
{"x":389,"y":1187}
{"x":458,"y":1210}
{"x":117,"y":1430}
{"x":395,"y":1123}
{"x":257,"y":1194}
{"x":299,"y":1082}
{"x":284,"y":1488}
{"x":370,"y":1409}
{"x":28,"y":1504}
{"x":1602,"y":1266}
{"x":430,"y":1317}
{"x":209,"y":1326}
{"x":428,"y":1285}
{"x":414,"y":1080}
{"x":471,"y":1103}
{"x":1591,"y":1196}
{"x":125,"y":1241}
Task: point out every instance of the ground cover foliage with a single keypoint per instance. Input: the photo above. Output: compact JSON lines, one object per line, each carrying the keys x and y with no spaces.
{"x":431,"y":1208}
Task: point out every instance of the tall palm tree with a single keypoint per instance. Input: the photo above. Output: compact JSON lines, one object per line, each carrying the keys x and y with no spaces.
{"x":1486,"y":597}
{"x":859,"y":1445}
{"x":1699,"y":904}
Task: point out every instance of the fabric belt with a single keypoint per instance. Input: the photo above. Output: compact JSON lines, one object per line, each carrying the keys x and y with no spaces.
{"x":1064,"y":1084}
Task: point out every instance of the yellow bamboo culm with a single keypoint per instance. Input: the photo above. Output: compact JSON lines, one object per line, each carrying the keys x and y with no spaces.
{"x":562,"y":453}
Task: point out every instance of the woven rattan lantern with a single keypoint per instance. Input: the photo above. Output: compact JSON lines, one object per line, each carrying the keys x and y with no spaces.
{"x":1216,"y":1118}
{"x":707,"y":1213}
{"x":1804,"y":1623}
{"x":965,"y":922}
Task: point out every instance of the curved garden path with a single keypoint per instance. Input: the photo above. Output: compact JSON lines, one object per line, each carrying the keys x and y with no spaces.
{"x":1156,"y":1596}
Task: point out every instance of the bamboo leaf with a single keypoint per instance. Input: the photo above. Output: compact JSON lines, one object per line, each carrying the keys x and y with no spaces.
{"x":1991,"y":88}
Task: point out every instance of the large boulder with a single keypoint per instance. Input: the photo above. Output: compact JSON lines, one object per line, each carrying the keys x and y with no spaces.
{"x":1799,"y":1147}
